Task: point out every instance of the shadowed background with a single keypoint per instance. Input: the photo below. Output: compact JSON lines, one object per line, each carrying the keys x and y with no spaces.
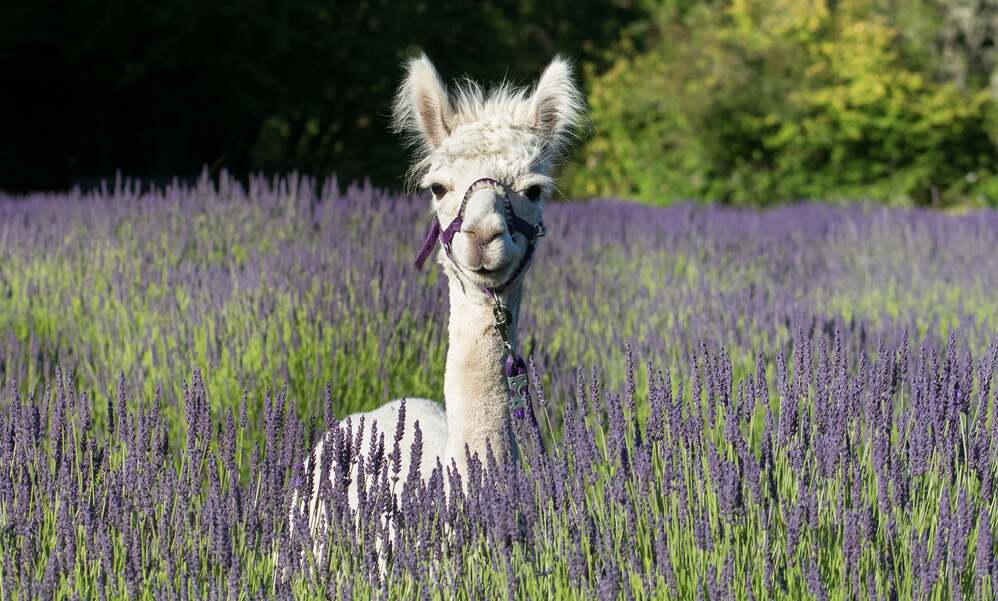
{"x":160,"y":89}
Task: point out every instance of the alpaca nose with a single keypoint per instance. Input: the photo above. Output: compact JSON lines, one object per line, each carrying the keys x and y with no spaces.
{"x":483,"y":217}
{"x":485,"y":233}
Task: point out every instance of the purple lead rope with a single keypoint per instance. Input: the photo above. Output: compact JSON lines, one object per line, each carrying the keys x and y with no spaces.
{"x":516,"y":369}
{"x":516,"y":375}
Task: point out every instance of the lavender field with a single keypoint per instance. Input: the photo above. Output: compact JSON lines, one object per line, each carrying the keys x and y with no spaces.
{"x":796,"y":403}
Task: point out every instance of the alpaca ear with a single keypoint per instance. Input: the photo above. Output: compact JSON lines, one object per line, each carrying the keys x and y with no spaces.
{"x":557,"y":104}
{"x":422,"y":107}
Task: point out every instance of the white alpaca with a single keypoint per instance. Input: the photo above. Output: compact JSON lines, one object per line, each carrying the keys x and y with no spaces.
{"x":513,"y":137}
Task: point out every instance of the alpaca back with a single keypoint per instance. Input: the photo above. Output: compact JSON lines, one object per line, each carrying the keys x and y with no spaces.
{"x":384,"y":421}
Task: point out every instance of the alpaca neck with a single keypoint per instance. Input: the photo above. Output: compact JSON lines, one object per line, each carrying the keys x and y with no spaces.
{"x":475,"y":390}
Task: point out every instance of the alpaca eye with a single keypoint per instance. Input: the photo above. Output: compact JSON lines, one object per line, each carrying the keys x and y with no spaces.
{"x":439,"y":190}
{"x":533,"y":192}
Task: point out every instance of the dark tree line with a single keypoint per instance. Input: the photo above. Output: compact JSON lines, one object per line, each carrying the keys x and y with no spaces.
{"x":162,"y":89}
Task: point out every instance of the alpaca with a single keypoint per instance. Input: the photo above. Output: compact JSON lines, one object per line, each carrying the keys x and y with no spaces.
{"x":486,"y":158}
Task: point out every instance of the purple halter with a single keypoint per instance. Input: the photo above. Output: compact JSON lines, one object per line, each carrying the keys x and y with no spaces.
{"x":514,"y":222}
{"x":515,"y":368}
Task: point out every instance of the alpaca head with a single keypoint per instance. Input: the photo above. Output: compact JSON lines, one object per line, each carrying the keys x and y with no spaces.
{"x":510,"y":135}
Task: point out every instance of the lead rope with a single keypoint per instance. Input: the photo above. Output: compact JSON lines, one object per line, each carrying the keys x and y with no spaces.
{"x":517,"y":383}
{"x":516,"y":369}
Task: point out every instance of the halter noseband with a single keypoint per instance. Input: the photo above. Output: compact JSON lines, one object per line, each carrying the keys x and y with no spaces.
{"x":514,"y":223}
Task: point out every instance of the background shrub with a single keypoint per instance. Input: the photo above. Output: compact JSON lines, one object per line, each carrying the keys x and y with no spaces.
{"x":754,"y":101}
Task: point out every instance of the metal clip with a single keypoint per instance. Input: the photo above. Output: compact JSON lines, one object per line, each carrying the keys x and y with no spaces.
{"x":519,"y":393}
{"x":540,"y":230}
{"x":499,"y":311}
{"x":501,"y":315}
{"x":502,"y":325}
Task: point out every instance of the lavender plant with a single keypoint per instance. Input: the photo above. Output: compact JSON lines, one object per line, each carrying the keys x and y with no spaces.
{"x":781,"y":405}
{"x":282,"y":283}
{"x":863,"y":479}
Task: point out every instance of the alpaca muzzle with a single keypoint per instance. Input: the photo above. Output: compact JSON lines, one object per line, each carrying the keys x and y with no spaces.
{"x":514,"y":223}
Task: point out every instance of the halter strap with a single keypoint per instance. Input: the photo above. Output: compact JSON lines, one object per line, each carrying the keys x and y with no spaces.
{"x":514,"y":223}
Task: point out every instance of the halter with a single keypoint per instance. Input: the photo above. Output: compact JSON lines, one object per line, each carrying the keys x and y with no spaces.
{"x":515,"y":368}
{"x":514,"y":223}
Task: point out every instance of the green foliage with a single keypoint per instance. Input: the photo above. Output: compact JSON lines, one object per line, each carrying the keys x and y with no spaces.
{"x":753,"y":101}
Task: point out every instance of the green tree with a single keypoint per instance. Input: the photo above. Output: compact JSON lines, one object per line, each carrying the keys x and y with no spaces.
{"x":758,"y":101}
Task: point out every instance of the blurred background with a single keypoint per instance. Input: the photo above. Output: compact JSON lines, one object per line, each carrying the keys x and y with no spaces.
{"x":737,"y":101}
